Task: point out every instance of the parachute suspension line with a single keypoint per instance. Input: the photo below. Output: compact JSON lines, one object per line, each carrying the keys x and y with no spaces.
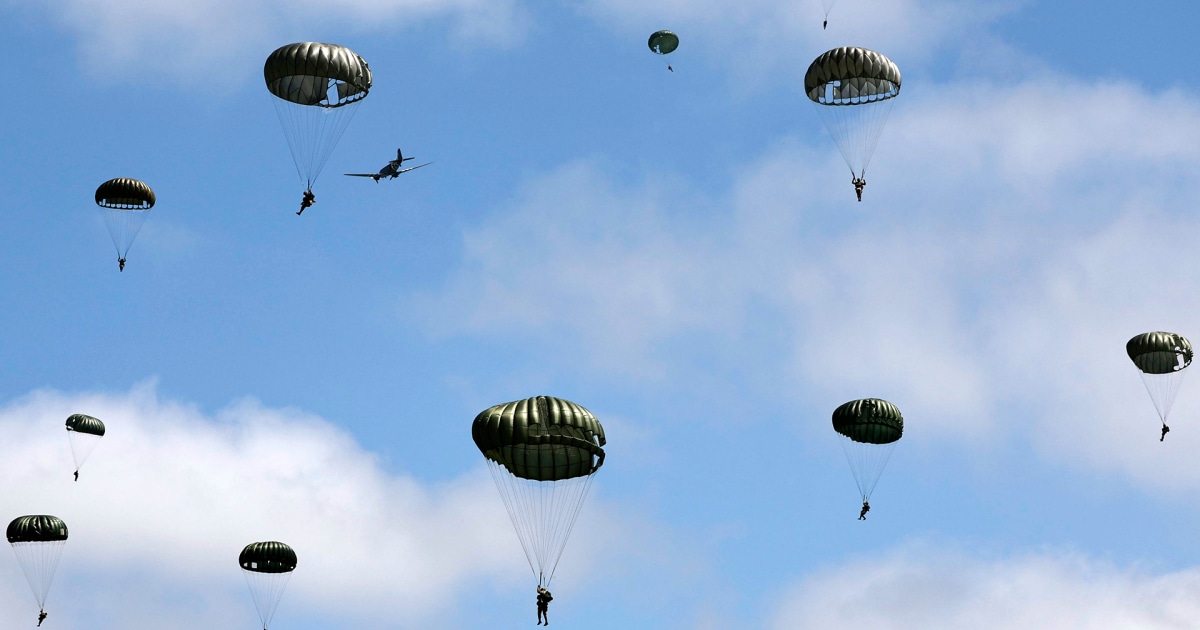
{"x":867,"y":462}
{"x":543,"y":514}
{"x":312,"y":132}
{"x":39,"y":560}
{"x":1162,"y":389}
{"x":123,"y":226}
{"x":266,"y":589}
{"x":856,"y":129}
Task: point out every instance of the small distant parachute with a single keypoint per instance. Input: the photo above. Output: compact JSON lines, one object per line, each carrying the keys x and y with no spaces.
{"x":317,"y":89}
{"x":663,"y":43}
{"x":870,"y":428}
{"x":853,"y":89}
{"x":85,"y":433}
{"x":828,"y":6}
{"x":125,"y":202}
{"x":38,"y":542}
{"x":268,"y":567}
{"x":1161,"y":358}
{"x":542,"y":453}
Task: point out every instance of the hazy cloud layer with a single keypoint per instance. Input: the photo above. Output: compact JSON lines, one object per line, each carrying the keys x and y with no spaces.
{"x":170,"y":496}
{"x":928,"y":588}
{"x":216,"y":40}
{"x":1009,"y":243}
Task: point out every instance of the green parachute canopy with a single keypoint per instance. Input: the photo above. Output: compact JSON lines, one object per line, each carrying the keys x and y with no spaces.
{"x":663,"y":42}
{"x":869,"y":421}
{"x":125,"y":203}
{"x":853,"y":89}
{"x":542,"y":438}
{"x":870,"y":428}
{"x":542,"y":453}
{"x":84,"y":432}
{"x":80,"y":423}
{"x":267,"y":557}
{"x":37,"y":528}
{"x":318,"y":88}
{"x":1161,"y":359}
{"x":38,"y":542}
{"x":267,"y":567}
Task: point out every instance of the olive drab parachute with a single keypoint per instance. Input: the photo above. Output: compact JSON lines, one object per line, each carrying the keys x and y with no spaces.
{"x":317,"y":88}
{"x":542,"y":453}
{"x":125,"y":204}
{"x":267,"y":566}
{"x":1161,"y":358}
{"x":853,"y":90}
{"x":85,"y":433}
{"x":663,"y":43}
{"x":38,"y":542}
{"x":870,"y":428}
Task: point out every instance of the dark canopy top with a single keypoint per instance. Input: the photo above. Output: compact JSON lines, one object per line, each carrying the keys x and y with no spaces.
{"x":41,"y":528}
{"x":858,"y":76}
{"x":1159,"y":352}
{"x":542,"y":438}
{"x":870,"y":421}
{"x":81,"y":423}
{"x":124,"y":193}
{"x":301,"y":73}
{"x":663,"y":42}
{"x":267,"y":557}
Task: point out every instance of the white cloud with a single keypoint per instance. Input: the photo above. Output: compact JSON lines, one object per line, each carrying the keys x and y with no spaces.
{"x":925,"y":588}
{"x":170,"y":496}
{"x":207,"y":42}
{"x":1010,"y":241}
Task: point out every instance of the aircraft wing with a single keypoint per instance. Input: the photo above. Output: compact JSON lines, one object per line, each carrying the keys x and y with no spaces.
{"x":412,"y":168}
{"x":361,"y":174}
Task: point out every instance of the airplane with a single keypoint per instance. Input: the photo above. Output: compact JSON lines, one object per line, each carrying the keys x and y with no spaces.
{"x":392,"y":170}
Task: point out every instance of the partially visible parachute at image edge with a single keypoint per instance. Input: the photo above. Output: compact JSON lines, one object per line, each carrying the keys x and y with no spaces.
{"x":317,"y":88}
{"x":85,"y":432}
{"x":542,"y":453}
{"x":38,"y":542}
{"x":853,"y":89}
{"x":663,"y":43}
{"x":1161,"y":358}
{"x":267,"y":567}
{"x":870,"y":428}
{"x":125,"y":203}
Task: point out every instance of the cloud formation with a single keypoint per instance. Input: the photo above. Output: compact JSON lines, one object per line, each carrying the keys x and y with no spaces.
{"x":924,"y":588}
{"x":170,"y":496}
{"x":1010,"y":241}
{"x":196,"y":41}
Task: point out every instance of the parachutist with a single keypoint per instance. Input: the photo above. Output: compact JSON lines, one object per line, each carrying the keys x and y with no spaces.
{"x":307,"y":202}
{"x":76,"y":475}
{"x":1165,"y":430}
{"x":859,"y":184}
{"x":543,"y":605}
{"x":862,"y":515}
{"x":41,"y":618}
{"x":824,"y":25}
{"x":121,"y":263}
{"x":670,"y":68}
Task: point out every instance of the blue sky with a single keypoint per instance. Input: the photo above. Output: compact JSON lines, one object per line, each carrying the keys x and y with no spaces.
{"x":679,"y":252}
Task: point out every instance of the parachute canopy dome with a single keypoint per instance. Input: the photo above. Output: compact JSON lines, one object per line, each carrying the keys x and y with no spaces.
{"x":124,"y":193}
{"x":302,"y":73}
{"x":1159,"y":352}
{"x":268,"y":557}
{"x":541,"y":439}
{"x":869,"y":421}
{"x":851,"y":76}
{"x":81,"y":423}
{"x":40,"y":528}
{"x":664,"y":42}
